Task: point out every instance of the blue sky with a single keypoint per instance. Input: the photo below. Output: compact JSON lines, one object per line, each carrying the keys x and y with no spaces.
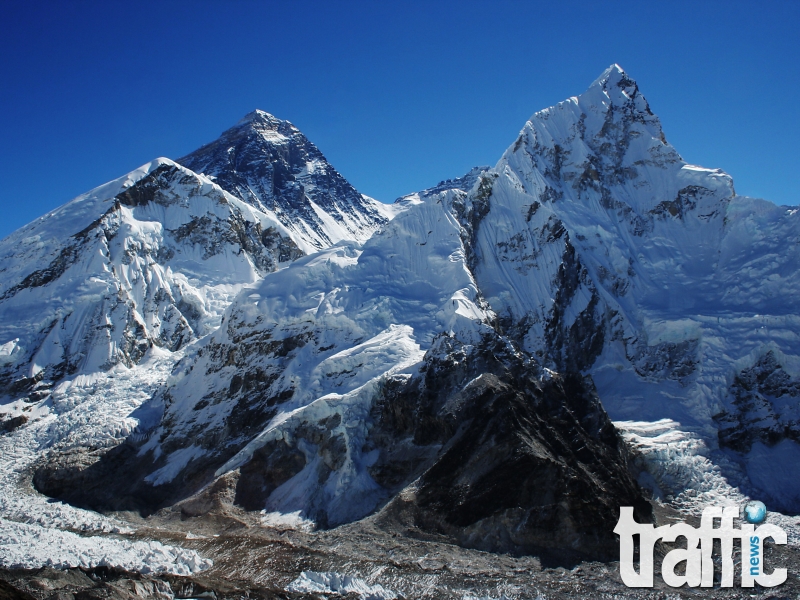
{"x":397,"y":95}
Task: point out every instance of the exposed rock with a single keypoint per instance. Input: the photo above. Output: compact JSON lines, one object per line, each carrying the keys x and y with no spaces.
{"x":271,"y":165}
{"x":509,"y":462}
{"x":764,"y":399}
{"x":9,"y":425}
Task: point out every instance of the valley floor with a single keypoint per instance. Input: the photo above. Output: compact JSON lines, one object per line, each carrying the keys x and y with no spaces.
{"x":364,"y":562}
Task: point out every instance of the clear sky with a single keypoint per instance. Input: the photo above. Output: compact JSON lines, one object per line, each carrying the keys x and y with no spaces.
{"x":397,"y":95}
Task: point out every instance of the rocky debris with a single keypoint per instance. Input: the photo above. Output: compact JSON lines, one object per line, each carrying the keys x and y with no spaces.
{"x":9,"y":425}
{"x":499,"y":457}
{"x":105,"y":583}
{"x":383,"y":552}
{"x":9,"y":592}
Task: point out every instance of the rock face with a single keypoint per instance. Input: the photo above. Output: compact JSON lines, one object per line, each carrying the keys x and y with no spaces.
{"x":501,"y":458}
{"x":272,"y":166}
{"x":766,"y":407}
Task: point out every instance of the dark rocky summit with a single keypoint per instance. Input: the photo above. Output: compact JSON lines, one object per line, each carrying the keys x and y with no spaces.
{"x":271,"y":165}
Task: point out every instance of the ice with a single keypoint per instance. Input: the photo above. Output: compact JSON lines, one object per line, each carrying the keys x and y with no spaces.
{"x":292,"y":520}
{"x":686,"y":474}
{"x":88,"y":410}
{"x":342,"y":585}
{"x":30,"y":546}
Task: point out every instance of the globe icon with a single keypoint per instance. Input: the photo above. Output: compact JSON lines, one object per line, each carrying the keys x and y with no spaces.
{"x":755,"y":512}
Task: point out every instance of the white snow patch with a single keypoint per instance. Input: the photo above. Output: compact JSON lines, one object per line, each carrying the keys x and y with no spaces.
{"x":292,"y":520}
{"x":175,"y":463}
{"x":335,"y":583}
{"x":8,"y":350}
{"x":31,"y":546}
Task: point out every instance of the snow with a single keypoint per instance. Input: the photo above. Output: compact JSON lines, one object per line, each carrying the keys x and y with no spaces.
{"x":689,"y":281}
{"x":369,"y":313}
{"x":342,"y":585}
{"x":115,"y":265}
{"x":679,"y":463}
{"x":8,"y":350}
{"x":177,"y":461}
{"x":130,"y":271}
{"x":32,"y":546}
{"x":685,"y":473}
{"x":293,"y":520}
{"x":681,"y":263}
{"x":318,"y":207}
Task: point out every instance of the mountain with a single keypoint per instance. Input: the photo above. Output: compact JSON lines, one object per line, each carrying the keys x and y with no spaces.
{"x":337,"y":382}
{"x":150,"y":259}
{"x":272,"y":166}
{"x":593,"y":322}
{"x":154,"y":258}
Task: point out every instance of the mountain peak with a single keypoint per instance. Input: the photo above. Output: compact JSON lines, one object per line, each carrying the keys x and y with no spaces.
{"x":265,"y":125}
{"x":262,"y":117}
{"x":616,"y":86}
{"x":611,"y":75}
{"x":268,"y":163}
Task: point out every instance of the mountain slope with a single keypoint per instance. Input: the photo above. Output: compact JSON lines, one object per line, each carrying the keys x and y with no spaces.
{"x":154,"y":257}
{"x":272,"y":166}
{"x":150,"y":259}
{"x":602,"y":251}
{"x":98,"y":301}
{"x":280,"y":406}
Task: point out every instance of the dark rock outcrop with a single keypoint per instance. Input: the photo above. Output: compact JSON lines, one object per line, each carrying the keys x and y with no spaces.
{"x":506,"y":461}
{"x":764,"y":406}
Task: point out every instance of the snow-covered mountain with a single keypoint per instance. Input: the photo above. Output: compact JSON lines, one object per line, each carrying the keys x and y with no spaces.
{"x":335,"y":383}
{"x":155,"y":257}
{"x":272,"y":166}
{"x":458,"y":370}
{"x":150,"y":259}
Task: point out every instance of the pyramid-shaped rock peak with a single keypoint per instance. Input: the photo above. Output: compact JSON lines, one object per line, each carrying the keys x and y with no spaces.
{"x":269,"y":163}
